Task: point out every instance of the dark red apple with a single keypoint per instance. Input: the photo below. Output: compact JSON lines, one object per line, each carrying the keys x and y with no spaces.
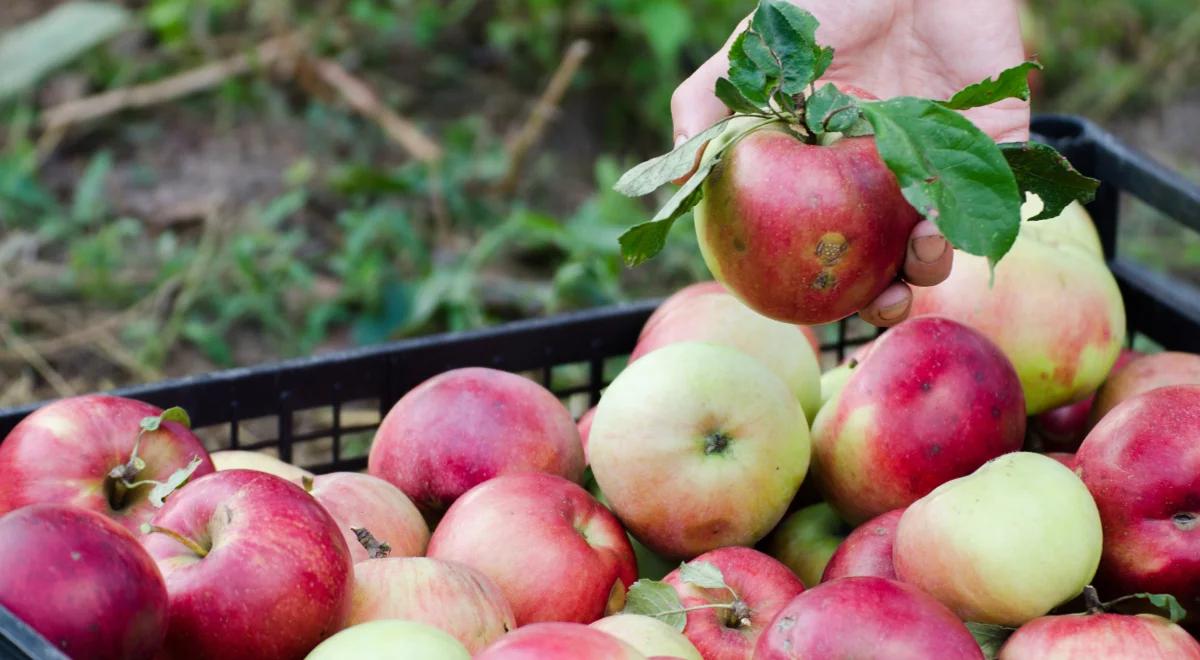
{"x":1100,"y":637}
{"x":82,"y":581}
{"x":559,"y":641}
{"x":867,"y":551}
{"x":1143,"y":374}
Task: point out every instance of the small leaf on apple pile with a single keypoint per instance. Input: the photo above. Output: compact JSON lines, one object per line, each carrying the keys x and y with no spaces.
{"x":656,"y":172}
{"x":1166,"y":602}
{"x":990,"y":637}
{"x":172,"y":414}
{"x":173,"y":482}
{"x":1011,"y":83}
{"x":702,"y":574}
{"x":1048,"y":174}
{"x":658,"y":600}
{"x":831,"y":111}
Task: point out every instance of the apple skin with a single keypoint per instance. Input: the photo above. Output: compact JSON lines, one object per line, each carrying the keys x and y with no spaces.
{"x":720,"y":318}
{"x":276,"y":578}
{"x":558,"y":640}
{"x":585,"y":427}
{"x":446,"y":595}
{"x":932,"y":401}
{"x":357,"y":500}
{"x":698,"y":446}
{"x":866,"y":617}
{"x":465,"y":426}
{"x":532,"y":532}
{"x":648,"y":635}
{"x":806,"y":539}
{"x":867,"y":551}
{"x":64,"y":451}
{"x":1066,"y":458}
{"x":1005,"y":544}
{"x":390,"y":640}
{"x":82,"y":581}
{"x":237,"y":459}
{"x":761,"y":583}
{"x":1100,"y":637}
{"x":1143,"y":374}
{"x":1142,"y":465}
{"x":801,"y":233}
{"x":1064,"y":427}
{"x":1055,"y":308}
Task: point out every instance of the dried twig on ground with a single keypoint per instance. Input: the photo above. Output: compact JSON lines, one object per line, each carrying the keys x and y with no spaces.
{"x":35,"y":360}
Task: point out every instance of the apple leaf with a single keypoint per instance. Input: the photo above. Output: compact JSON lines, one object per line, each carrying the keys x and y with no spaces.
{"x":1165,"y":602}
{"x":831,"y":111}
{"x":1011,"y":83}
{"x":1048,"y":174}
{"x":173,"y":482}
{"x":990,"y":637}
{"x":658,"y":600}
{"x":702,"y":574}
{"x":172,"y":414}
{"x":950,"y":171}
{"x":749,"y":63}
{"x":790,"y":33}
{"x":733,"y":98}
{"x":649,"y":176}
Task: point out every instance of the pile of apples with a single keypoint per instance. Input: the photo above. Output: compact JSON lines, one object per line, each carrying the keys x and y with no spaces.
{"x":968,"y":484}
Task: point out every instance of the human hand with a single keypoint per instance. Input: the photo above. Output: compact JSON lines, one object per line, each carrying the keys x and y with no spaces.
{"x":887,"y":48}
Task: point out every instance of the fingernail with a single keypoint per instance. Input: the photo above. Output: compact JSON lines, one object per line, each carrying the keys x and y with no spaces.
{"x":929,"y":248}
{"x":680,"y":139}
{"x":894,"y":311}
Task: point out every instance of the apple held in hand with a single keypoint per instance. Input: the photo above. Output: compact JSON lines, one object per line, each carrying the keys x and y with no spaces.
{"x":93,"y":452}
{"x":555,"y":552}
{"x":1100,"y":637}
{"x":254,"y":567}
{"x":390,"y":639}
{"x":82,"y":581}
{"x":698,"y":446}
{"x":867,"y":551}
{"x":806,"y":539}
{"x":557,"y":641}
{"x":1005,"y":544}
{"x":465,"y":426}
{"x":1144,"y":374}
{"x":369,"y":508}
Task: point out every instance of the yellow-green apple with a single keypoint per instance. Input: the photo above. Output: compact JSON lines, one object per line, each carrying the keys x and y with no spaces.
{"x":1143,"y":374}
{"x":866,"y":617}
{"x":91,"y":451}
{"x":698,"y":446}
{"x":1063,"y":428}
{"x":811,"y":248}
{"x":651,"y":637}
{"x":446,"y":595}
{"x":370,"y":509}
{"x":240,"y":459}
{"x":1005,"y":544}
{"x":585,"y":426}
{"x":555,"y":552}
{"x":390,"y":639}
{"x":720,"y":318}
{"x":82,"y":581}
{"x":1142,"y":465}
{"x":867,"y":551}
{"x":1100,"y":637}
{"x":255,"y":568}
{"x":725,"y":622}
{"x":1054,"y":308}
{"x":833,"y":380}
{"x":557,"y":640}
{"x":932,"y":401}
{"x":806,"y":539}
{"x":465,"y":426}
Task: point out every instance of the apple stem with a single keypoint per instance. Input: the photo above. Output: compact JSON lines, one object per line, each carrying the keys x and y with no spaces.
{"x":191,"y":545}
{"x":376,"y":549}
{"x":1091,"y":600}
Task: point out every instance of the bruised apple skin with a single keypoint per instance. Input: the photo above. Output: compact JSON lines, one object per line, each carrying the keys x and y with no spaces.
{"x":803,"y":233}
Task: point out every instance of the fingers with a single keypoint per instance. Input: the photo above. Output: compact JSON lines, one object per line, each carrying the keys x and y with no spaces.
{"x":929,"y":256}
{"x":695,"y":106}
{"x":891,"y":307}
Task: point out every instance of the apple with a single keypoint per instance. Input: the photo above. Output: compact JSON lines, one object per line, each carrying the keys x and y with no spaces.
{"x":932,"y":401}
{"x":82,"y":581}
{"x":372,"y":506}
{"x":648,"y":635}
{"x":811,"y":248}
{"x":1142,"y":466}
{"x":867,"y":551}
{"x":238,"y":459}
{"x":1054,"y":309}
{"x":720,"y":318}
{"x":1143,"y":374}
{"x":1100,"y":636}
{"x":557,"y":640}
{"x":584,"y":425}
{"x":835,"y":379}
{"x":866,"y":617}
{"x":555,"y":552}
{"x":254,"y":566}
{"x":757,"y":586}
{"x":390,"y":639}
{"x":1005,"y":544}
{"x":1066,"y":458}
{"x":695,"y":289}
{"x":446,"y":595}
{"x":68,"y":452}
{"x":698,"y":446}
{"x":806,"y":539}
{"x":465,"y":426}
{"x":1064,"y":427}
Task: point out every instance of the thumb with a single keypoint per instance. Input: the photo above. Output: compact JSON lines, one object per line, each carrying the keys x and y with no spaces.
{"x":694,"y":105}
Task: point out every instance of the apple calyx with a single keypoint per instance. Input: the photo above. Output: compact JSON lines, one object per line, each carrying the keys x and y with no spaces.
{"x":1186,"y":521}
{"x":195,"y":547}
{"x":716,"y":442}
{"x":376,"y":549}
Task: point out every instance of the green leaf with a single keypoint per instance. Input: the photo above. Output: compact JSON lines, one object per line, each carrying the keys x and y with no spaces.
{"x":702,"y":574}
{"x":1165,"y":602}
{"x":950,"y":171}
{"x":790,"y":33}
{"x":753,"y":71}
{"x":173,"y":482}
{"x":831,"y":111}
{"x":1048,"y":174}
{"x":1011,"y":83}
{"x":658,"y":600}
{"x":90,"y":203}
{"x":733,"y":98}
{"x":654,"y":173}
{"x":34,"y":49}
{"x":990,"y":637}
{"x":173,"y":414}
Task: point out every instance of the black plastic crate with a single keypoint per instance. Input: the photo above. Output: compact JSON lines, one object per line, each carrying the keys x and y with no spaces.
{"x":320,"y":412}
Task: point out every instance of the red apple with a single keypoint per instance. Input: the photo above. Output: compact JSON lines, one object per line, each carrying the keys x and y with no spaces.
{"x":65,"y":452}
{"x":1143,"y":374}
{"x":1100,"y":637}
{"x":932,"y":401}
{"x":1142,"y":466}
{"x":758,"y":587}
{"x":555,"y":552}
{"x":559,"y":641}
{"x":867,"y":551}
{"x":254,"y":566}
{"x":1064,"y":427}
{"x":1067,"y":459}
{"x":805,"y":248}
{"x":866,"y":617}
{"x":446,"y":595}
{"x":361,"y":502}
{"x":82,"y":581}
{"x":696,"y":289}
{"x":465,"y":426}
{"x":585,"y":427}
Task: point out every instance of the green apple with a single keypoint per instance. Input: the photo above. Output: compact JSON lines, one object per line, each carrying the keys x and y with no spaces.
{"x":806,"y":539}
{"x":648,"y":635}
{"x":390,"y":639}
{"x":1004,"y":544}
